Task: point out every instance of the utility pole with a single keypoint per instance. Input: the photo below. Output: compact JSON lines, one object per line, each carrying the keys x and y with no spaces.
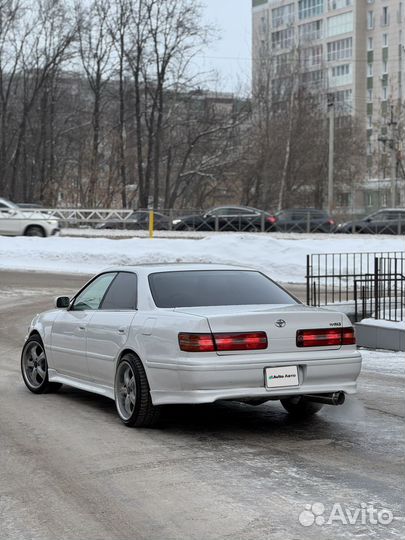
{"x":331,"y":111}
{"x":394,"y":157}
{"x":392,"y":143}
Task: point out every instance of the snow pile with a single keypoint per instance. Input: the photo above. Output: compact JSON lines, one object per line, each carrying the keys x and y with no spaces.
{"x":381,"y":323}
{"x":389,"y":363}
{"x":283,"y":258}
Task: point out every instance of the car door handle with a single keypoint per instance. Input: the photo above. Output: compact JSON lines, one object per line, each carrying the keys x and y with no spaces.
{"x":82,"y":327}
{"x":121,"y":330}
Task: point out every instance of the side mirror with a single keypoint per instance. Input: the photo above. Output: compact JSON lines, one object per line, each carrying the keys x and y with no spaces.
{"x":62,"y":302}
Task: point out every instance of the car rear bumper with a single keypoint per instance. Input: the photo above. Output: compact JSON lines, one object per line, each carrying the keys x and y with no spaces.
{"x":205,"y":383}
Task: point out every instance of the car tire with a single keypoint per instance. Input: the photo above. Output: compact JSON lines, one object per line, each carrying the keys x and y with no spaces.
{"x":35,"y":230}
{"x":300,"y":407}
{"x":132,"y":394}
{"x":34,"y":367}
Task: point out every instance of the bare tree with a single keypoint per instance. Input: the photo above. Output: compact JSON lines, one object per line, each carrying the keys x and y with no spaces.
{"x":95,"y":47}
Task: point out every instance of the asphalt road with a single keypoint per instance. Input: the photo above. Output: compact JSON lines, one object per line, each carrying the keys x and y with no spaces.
{"x":70,"y":470}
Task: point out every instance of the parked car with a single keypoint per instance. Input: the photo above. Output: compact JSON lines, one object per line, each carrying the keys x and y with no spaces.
{"x":227,"y":218}
{"x":138,"y":220}
{"x":153,"y":335}
{"x":17,"y":222}
{"x":386,"y":221}
{"x":302,"y":220}
{"x":29,"y":205}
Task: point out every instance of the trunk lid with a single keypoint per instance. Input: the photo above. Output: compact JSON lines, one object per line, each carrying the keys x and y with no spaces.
{"x":270,"y":319}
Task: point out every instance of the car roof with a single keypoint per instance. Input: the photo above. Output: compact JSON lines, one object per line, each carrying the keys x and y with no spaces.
{"x":236,"y":206}
{"x":151,"y":268}
{"x":391,"y":210}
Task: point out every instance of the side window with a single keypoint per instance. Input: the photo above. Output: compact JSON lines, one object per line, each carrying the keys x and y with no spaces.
{"x":243,"y":212}
{"x":216,"y":212}
{"x":92,"y":295}
{"x":381,"y":216}
{"x":122,"y":294}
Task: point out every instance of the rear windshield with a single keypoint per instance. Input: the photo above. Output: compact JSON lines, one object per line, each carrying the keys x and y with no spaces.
{"x":215,"y":288}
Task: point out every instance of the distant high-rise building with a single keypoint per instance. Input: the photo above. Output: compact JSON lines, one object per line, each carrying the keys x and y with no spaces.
{"x":353,"y":50}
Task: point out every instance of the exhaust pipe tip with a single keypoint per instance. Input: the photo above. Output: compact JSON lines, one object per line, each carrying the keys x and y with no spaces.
{"x":339,"y":397}
{"x":335,"y":398}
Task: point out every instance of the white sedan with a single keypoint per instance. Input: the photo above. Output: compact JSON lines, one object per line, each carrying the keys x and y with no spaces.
{"x":17,"y":222}
{"x":152,"y":335}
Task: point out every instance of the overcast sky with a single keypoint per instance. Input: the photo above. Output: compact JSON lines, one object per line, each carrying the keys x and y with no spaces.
{"x":230,"y":56}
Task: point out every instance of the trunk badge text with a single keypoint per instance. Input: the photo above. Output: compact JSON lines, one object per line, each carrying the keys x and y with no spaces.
{"x":280,"y":323}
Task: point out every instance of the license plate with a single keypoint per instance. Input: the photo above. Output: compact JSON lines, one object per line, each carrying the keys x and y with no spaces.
{"x":281,"y":376}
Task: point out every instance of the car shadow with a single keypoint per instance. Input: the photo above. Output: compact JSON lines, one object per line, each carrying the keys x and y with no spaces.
{"x":224,"y":418}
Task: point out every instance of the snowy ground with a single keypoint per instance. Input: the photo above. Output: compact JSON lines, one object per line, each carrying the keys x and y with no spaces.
{"x":386,"y":362}
{"x":282,"y":256}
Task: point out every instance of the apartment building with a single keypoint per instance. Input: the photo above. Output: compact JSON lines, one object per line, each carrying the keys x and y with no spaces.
{"x":352,"y":50}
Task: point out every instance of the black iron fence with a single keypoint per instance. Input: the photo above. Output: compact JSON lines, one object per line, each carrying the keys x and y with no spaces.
{"x":381,"y":295}
{"x":331,"y":277}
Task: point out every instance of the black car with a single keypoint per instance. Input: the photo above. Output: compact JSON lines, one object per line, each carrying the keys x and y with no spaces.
{"x":138,"y":220}
{"x":227,"y":218}
{"x":301,"y":220}
{"x":386,"y":221}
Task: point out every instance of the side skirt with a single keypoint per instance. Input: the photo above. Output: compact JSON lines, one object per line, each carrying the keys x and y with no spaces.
{"x":106,"y":391}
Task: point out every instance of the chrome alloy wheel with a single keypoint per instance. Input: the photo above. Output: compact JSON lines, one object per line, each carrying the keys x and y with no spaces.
{"x":125,"y":390}
{"x":34,"y":364}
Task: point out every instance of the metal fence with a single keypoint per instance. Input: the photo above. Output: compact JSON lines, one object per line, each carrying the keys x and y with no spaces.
{"x":221,"y":219}
{"x":198,"y":220}
{"x":331,"y":277}
{"x":381,"y":295}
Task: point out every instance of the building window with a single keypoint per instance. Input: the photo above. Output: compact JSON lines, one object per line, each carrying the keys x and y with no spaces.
{"x":344,"y":199}
{"x":385,"y":40}
{"x":312,"y":77}
{"x":310,"y":8}
{"x":339,"y":4}
{"x":343,"y":98}
{"x":369,"y":95}
{"x":283,"y":15}
{"x":385,"y":18}
{"x":370,"y":20}
{"x":341,"y":75}
{"x":385,"y":67}
{"x":340,"y":24}
{"x":370,"y":44}
{"x":369,"y":70}
{"x":341,"y":49}
{"x":310,"y":31}
{"x":369,"y":122}
{"x":311,"y":56}
{"x":369,"y":199}
{"x":283,"y":39}
{"x":384,"y":93}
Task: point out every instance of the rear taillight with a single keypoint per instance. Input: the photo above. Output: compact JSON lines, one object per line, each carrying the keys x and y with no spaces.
{"x":196,"y":342}
{"x":235,"y":341}
{"x":241,"y":342}
{"x":271,"y":219}
{"x":325,"y":337}
{"x":349,"y":337}
{"x":331,"y":221}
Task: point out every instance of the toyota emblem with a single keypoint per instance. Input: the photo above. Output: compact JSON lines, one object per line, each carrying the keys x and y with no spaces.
{"x":280,"y":323}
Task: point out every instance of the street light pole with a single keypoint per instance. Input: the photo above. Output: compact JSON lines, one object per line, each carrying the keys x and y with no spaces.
{"x":393,"y":147}
{"x":331,"y":111}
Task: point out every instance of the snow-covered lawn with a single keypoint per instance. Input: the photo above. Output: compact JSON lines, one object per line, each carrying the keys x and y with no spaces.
{"x":282,"y":256}
{"x":387,"y":362}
